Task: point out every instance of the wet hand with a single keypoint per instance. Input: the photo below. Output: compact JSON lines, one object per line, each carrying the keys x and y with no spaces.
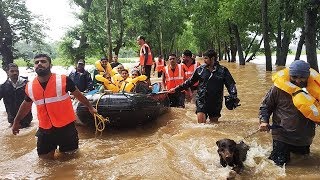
{"x":93,"y":110}
{"x":264,"y":127}
{"x":15,"y":128}
{"x":171,"y":91}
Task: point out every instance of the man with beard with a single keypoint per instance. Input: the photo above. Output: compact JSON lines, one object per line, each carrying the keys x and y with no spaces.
{"x":212,"y":78}
{"x":81,"y":77}
{"x":12,"y":92}
{"x":49,"y":92}
{"x":296,"y":131}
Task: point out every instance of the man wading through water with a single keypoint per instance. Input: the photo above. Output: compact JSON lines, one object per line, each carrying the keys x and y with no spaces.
{"x":212,"y":78}
{"x":296,"y":131}
{"x":49,"y":92}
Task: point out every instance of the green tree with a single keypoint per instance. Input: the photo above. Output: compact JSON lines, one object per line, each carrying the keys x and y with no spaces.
{"x":265,"y":27}
{"x":17,"y":24}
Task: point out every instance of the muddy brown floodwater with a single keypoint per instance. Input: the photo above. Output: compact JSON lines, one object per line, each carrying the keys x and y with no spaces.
{"x":175,"y":146}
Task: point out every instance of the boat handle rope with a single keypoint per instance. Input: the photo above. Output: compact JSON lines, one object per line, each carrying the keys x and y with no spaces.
{"x":99,"y":120}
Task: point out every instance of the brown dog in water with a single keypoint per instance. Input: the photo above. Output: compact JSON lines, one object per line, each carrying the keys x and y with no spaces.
{"x":232,"y":154}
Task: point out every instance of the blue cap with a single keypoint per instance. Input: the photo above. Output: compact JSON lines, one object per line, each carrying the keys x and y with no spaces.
{"x":299,"y":68}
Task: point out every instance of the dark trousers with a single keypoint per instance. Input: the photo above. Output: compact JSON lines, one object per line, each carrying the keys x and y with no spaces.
{"x":159,"y":74}
{"x":281,"y":152}
{"x":177,"y":99}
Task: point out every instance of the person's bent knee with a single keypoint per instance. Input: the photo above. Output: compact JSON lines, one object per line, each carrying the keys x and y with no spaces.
{"x":49,"y":155}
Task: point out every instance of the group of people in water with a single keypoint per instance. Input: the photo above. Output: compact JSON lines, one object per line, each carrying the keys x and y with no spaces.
{"x":293,"y":101}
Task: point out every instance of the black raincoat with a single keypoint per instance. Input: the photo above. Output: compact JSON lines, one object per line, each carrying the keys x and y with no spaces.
{"x":211,"y":85}
{"x":12,"y":99}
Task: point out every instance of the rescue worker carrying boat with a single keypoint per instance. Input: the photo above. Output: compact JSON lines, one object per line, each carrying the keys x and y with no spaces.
{"x":293,"y":102}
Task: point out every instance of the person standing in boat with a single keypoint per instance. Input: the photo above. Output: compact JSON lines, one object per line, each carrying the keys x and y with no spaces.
{"x":174,"y":75}
{"x":81,"y":77}
{"x":146,"y":59}
{"x":296,"y":131}
{"x":12,"y":93}
{"x":212,"y":78}
{"x":102,"y":67}
{"x":49,"y":92}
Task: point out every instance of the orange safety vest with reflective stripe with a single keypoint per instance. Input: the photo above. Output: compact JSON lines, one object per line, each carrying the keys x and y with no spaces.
{"x":174,"y":78}
{"x":160,"y":65}
{"x":191,"y":69}
{"x":142,"y":56}
{"x":54,"y":106}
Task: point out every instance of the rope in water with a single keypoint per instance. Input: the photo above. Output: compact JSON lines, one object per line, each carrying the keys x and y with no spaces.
{"x":99,"y":120}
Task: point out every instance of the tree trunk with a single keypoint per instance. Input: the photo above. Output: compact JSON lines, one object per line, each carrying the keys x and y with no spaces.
{"x":80,"y":51}
{"x":119,"y":41}
{"x":254,"y":52}
{"x":300,"y":44}
{"x":265,"y":22}
{"x":249,"y":46}
{"x":285,"y":48}
{"x":108,"y":24}
{"x":161,"y":40}
{"x":310,"y":23}
{"x":238,"y":42}
{"x":227,"y":49}
{"x":6,"y":40}
{"x":172,"y":43}
{"x":233,"y":47}
{"x":279,"y":34}
{"x":220,"y":51}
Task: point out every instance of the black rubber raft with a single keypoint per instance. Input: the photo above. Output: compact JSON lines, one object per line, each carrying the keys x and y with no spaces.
{"x":125,"y":109}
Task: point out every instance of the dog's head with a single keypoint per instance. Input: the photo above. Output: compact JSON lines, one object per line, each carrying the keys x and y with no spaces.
{"x":227,"y":150}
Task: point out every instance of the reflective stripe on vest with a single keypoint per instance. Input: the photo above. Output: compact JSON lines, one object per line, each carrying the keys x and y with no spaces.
{"x":191,"y":69}
{"x":173,"y":80}
{"x":180,"y":75}
{"x":59,"y":96}
{"x":54,"y":106}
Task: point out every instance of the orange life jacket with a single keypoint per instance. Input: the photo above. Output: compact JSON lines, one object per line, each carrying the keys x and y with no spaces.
{"x":160,"y":65}
{"x":142,"y":52}
{"x":54,"y":107}
{"x":174,"y":78}
{"x":103,"y":70}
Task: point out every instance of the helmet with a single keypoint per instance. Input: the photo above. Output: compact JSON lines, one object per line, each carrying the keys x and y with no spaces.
{"x":231,"y":102}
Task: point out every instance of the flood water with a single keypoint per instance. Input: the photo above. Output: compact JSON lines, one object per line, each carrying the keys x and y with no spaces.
{"x":175,"y":146}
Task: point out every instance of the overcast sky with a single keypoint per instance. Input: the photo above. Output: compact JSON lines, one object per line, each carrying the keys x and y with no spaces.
{"x":57,"y":13}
